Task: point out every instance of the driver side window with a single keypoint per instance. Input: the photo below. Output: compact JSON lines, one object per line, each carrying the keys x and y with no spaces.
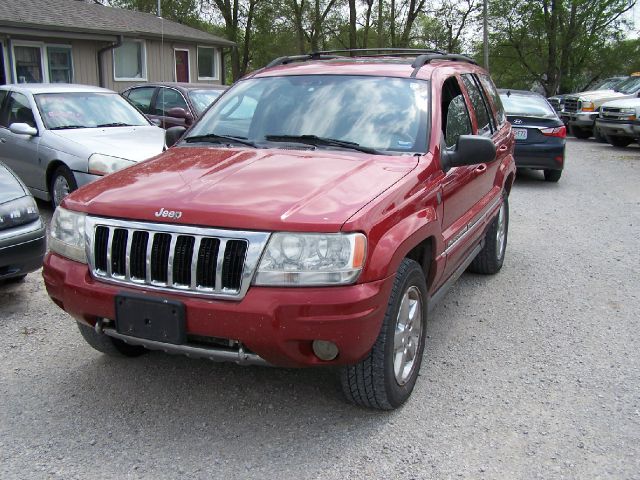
{"x":455,"y":115}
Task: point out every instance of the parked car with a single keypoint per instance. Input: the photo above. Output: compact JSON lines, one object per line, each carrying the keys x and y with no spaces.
{"x":618,"y":121}
{"x":557,"y":101}
{"x":58,"y":137}
{"x":581,"y":110}
{"x":311,"y":217}
{"x":540,"y":134}
{"x":173,"y":104}
{"x":22,"y":232}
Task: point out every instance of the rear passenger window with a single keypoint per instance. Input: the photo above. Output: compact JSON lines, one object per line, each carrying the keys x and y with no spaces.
{"x":491,"y":91}
{"x":141,"y":98}
{"x":479,"y":105}
{"x":167,"y":99}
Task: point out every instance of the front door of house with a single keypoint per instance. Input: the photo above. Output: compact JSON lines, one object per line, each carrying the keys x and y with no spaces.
{"x":182,"y":66}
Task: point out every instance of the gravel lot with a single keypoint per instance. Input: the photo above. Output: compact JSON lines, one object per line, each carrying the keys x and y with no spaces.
{"x":533,"y":373}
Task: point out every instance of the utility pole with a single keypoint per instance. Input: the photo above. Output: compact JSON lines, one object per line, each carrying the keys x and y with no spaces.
{"x":485,"y":35}
{"x":159,"y":12}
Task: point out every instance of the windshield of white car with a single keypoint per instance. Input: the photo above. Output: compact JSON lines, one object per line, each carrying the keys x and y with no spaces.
{"x":608,"y":83}
{"x":61,"y":111}
{"x":526,"y":106}
{"x":201,"y":99}
{"x":629,"y":86}
{"x":381,"y":114}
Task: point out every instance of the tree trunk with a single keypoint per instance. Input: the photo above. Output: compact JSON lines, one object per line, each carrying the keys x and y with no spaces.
{"x":380,"y":17}
{"x":352,"y":24}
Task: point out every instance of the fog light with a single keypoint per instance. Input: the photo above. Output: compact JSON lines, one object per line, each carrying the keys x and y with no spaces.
{"x":325,"y":350}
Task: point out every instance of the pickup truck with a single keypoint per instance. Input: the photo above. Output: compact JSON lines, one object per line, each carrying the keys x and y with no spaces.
{"x":618,"y":121}
{"x":312,"y":217}
{"x":582,"y":109}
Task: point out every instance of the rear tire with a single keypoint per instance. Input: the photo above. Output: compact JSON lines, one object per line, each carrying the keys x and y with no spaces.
{"x":107,"y":345}
{"x":385,"y":378}
{"x":618,"y":141}
{"x":552,"y":175}
{"x":491,"y":257}
{"x":580,"y":133}
{"x":62,"y":184}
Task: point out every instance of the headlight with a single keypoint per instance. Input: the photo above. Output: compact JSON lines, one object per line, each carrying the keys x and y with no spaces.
{"x":18,"y":212}
{"x":67,"y":234}
{"x":588,"y":107}
{"x":104,"y":164}
{"x":628,"y":113}
{"x":305,"y":259}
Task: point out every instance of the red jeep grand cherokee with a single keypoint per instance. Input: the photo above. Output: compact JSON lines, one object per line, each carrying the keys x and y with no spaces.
{"x":312,"y":217}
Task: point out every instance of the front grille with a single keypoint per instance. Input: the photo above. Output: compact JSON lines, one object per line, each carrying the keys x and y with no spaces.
{"x":188,"y":259}
{"x":571,"y":105}
{"x":613,"y":113}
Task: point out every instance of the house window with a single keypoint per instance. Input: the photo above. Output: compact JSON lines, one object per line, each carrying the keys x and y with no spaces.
{"x":207,"y":68}
{"x":130,"y":61}
{"x":28,"y":64}
{"x":59,"y":59}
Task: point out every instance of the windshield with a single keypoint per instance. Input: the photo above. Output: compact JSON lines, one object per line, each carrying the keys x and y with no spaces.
{"x":201,"y":99}
{"x":61,"y":111}
{"x":629,"y":86}
{"x":527,"y":105}
{"x":609,"y":83}
{"x":380,"y":113}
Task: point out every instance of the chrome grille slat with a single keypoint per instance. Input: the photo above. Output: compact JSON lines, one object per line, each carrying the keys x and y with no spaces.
{"x":198,"y":261}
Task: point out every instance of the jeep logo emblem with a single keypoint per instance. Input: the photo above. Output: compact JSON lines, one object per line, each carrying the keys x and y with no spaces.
{"x":168,"y":213}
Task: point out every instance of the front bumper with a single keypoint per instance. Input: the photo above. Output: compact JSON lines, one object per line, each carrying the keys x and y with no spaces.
{"x":22,"y":249}
{"x":277,"y":324}
{"x":618,"y":128}
{"x":582,"y":120}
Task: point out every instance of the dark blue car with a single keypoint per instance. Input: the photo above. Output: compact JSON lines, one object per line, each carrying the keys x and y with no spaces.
{"x":540,"y":134}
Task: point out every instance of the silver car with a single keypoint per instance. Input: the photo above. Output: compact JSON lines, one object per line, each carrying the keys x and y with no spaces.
{"x":58,"y":137}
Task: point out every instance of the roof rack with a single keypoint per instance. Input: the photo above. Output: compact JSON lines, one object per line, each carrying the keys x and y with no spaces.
{"x":423,"y":56}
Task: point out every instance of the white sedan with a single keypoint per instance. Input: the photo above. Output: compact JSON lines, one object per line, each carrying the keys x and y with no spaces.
{"x":58,"y":137}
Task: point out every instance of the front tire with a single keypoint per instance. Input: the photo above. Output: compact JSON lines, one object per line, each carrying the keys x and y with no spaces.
{"x":62,"y":184}
{"x":491,"y":257}
{"x":385,"y":378}
{"x":107,"y":345}
{"x":618,"y":141}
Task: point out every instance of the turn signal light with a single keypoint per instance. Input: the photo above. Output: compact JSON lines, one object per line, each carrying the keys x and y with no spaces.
{"x":560,"y":132}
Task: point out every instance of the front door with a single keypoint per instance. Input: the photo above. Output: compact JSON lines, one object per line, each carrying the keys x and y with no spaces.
{"x":182,"y":66}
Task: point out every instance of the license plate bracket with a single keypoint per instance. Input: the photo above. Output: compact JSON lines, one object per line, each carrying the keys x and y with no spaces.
{"x":150,"y":318}
{"x":520,"y":133}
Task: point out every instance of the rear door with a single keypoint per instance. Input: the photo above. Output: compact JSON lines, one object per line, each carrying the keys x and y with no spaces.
{"x":20,"y":152}
{"x":142,"y":99}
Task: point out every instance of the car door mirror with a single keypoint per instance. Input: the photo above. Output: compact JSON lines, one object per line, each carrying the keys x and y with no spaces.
{"x":23,"y":129}
{"x":469,"y":150}
{"x":179,"y":112}
{"x":173,"y":134}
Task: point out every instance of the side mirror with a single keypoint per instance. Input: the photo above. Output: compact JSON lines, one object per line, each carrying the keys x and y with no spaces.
{"x":179,"y":112}
{"x":173,"y":134}
{"x":470,"y":150}
{"x":23,"y":129}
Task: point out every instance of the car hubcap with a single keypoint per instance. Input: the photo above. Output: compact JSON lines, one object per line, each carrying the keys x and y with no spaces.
{"x":60,"y":189}
{"x":501,"y":233}
{"x":407,"y":335}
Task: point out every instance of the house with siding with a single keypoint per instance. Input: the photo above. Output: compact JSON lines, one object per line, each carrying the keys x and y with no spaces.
{"x":73,"y":41}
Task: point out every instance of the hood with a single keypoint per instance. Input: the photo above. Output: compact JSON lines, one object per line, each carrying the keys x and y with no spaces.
{"x":595,"y":95}
{"x":131,"y":143}
{"x":10,"y":187}
{"x":250,"y":189}
{"x":623,"y":103}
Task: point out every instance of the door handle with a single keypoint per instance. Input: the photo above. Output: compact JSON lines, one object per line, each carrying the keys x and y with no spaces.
{"x":480,"y":169}
{"x":503,"y":148}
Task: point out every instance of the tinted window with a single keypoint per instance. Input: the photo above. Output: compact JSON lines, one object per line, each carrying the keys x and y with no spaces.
{"x":378,"y":112}
{"x":141,"y":98}
{"x":491,"y":91}
{"x":458,"y":121}
{"x":17,"y":110}
{"x":167,"y":99}
{"x":629,"y":86}
{"x":201,"y":99}
{"x":527,"y":105}
{"x":478,"y":103}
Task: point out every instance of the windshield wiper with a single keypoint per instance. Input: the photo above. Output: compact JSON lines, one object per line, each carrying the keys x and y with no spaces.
{"x":64,"y":127}
{"x":322,"y":141}
{"x":215,"y":138}
{"x":115,"y":124}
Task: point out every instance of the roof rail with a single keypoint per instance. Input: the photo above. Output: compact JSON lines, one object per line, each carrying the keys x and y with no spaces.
{"x":391,"y":52}
{"x":423,"y":60}
{"x":300,"y":58}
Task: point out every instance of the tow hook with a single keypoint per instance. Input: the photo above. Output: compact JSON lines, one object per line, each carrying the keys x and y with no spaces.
{"x":100,"y":325}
